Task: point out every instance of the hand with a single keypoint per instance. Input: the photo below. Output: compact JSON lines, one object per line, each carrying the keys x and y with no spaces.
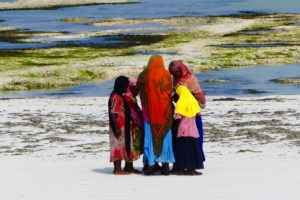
{"x":202,"y":99}
{"x":117,"y":133}
{"x":202,"y":105}
{"x":175,"y":98}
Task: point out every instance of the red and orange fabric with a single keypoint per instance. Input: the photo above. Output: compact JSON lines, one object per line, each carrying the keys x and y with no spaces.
{"x":155,"y":86}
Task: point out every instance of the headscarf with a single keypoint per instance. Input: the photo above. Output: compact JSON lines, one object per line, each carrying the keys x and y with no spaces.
{"x":187,"y":79}
{"x":119,"y":89}
{"x":155,"y":86}
{"x":132,"y":82}
{"x":136,"y":118}
{"x":120,"y":82}
{"x":186,"y":105}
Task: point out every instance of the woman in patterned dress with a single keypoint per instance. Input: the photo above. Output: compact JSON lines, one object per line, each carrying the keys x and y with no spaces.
{"x":121,"y":147}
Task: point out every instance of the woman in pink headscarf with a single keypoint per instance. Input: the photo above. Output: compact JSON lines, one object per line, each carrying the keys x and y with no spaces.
{"x":136,"y":124}
{"x":182,"y":76}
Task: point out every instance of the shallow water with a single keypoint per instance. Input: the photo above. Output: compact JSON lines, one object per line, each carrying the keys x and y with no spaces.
{"x":118,"y":41}
{"x":252,"y":78}
{"x":296,"y":24}
{"x":48,"y":20}
{"x":258,"y":32}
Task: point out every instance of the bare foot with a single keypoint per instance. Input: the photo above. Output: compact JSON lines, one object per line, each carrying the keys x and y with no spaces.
{"x":121,"y":173}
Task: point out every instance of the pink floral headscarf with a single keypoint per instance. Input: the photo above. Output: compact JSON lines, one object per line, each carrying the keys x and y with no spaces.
{"x":134,"y":109}
{"x":187,"y":79}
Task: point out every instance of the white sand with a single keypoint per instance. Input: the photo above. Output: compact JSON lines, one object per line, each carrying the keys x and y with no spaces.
{"x":58,"y":170}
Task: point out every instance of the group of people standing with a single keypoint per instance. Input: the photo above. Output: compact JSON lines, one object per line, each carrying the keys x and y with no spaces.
{"x":168,"y":128}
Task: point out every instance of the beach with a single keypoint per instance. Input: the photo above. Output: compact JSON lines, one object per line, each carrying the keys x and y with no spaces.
{"x":57,"y":148}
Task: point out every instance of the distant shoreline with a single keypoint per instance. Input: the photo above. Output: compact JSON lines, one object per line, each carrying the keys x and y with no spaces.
{"x":48,"y":4}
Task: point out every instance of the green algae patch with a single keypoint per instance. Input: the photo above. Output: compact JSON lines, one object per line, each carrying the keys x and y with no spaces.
{"x":33,"y":63}
{"x":215,"y":81}
{"x":36,"y":84}
{"x":253,"y":91}
{"x":77,"y":19}
{"x":288,"y":81}
{"x":163,"y":21}
{"x":51,"y":68}
{"x":174,"y":39}
{"x":252,"y":56}
{"x":279,"y":52}
{"x":53,"y":79}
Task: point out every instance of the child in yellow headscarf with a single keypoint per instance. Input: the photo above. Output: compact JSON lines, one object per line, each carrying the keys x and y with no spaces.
{"x":187,"y":153}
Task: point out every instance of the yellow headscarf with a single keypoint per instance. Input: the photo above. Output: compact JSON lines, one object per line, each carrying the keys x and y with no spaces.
{"x":186,"y":105}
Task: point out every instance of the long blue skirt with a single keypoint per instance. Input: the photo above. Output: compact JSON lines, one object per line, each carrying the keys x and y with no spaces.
{"x":201,"y":134}
{"x":166,"y":156}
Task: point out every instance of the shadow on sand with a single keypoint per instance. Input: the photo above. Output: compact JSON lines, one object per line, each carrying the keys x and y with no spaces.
{"x":106,"y":170}
{"x":109,"y":170}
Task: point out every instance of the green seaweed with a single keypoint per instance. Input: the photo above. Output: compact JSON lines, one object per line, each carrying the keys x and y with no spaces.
{"x":248,"y":151}
{"x":28,"y":67}
{"x":287,"y":81}
{"x":253,"y":91}
{"x":33,"y":63}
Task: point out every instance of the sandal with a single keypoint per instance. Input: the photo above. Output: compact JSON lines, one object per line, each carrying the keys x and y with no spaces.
{"x":192,"y":172}
{"x":197,"y":173}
